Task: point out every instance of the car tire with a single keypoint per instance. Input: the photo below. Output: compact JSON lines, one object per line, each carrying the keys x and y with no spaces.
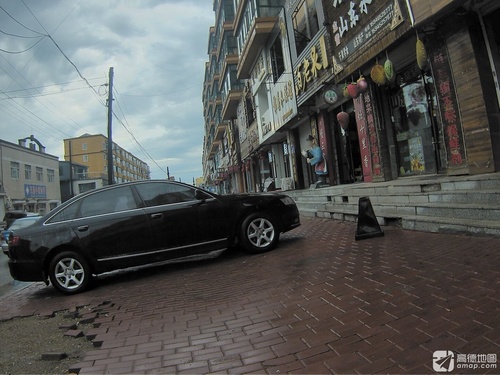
{"x":259,"y":233}
{"x":69,"y":273}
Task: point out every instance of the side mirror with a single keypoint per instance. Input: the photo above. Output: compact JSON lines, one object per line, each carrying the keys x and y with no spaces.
{"x":200,"y":196}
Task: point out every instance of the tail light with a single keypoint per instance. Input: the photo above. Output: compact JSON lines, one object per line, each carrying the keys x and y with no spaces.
{"x":14,"y":240}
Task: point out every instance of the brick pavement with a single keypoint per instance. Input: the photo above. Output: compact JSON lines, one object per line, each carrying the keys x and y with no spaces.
{"x":319,"y":303}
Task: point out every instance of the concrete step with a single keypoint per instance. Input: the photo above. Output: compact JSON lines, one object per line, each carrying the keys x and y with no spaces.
{"x":451,"y":210}
{"x":489,"y":197}
{"x":423,"y":223}
{"x":448,"y":225}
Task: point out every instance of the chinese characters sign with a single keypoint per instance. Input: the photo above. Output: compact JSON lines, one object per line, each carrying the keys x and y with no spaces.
{"x":361,"y":121}
{"x":448,"y":108}
{"x":362,"y":27}
{"x":35,"y":191}
{"x":310,"y":69}
{"x":372,"y":131}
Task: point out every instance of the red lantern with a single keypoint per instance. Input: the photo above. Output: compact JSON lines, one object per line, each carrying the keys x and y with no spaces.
{"x":353,"y":90}
{"x":362,"y":84}
{"x":343,"y":119}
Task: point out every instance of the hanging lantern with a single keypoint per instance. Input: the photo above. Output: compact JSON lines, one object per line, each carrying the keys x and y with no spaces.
{"x":389,"y":71}
{"x":353,"y":90}
{"x":343,"y":119}
{"x":421,"y":55}
{"x":362,"y":84}
{"x":378,"y":74}
{"x":345,"y":92}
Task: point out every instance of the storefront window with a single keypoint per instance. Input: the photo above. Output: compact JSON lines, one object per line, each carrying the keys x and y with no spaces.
{"x":413,"y":127}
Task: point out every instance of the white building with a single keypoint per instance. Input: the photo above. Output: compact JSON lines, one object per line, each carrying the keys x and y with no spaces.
{"x":29,"y":177}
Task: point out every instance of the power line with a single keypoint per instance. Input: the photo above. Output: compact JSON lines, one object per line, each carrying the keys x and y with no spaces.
{"x":135,"y":139}
{"x":21,"y":36}
{"x":51,"y":85}
{"x":65,"y":56}
{"x":44,"y":94}
{"x":26,"y":50}
{"x":19,"y":23}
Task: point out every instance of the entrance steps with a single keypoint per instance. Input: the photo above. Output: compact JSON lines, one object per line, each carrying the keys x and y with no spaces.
{"x":441,"y":204}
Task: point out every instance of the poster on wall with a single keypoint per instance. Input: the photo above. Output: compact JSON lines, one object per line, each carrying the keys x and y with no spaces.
{"x":417,"y":159}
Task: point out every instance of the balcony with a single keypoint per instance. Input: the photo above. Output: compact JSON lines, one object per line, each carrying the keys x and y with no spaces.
{"x":230,"y":104}
{"x":228,"y":60}
{"x":260,"y":30}
{"x":219,"y":131}
{"x":214,"y":148}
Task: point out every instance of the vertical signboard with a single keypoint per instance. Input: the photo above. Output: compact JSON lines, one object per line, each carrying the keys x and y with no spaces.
{"x":284,"y":102}
{"x":364,"y":146}
{"x":373,"y":135}
{"x":448,"y":107}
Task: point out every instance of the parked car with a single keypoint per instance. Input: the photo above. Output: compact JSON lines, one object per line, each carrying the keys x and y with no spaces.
{"x":16,"y":225}
{"x":140,"y":223}
{"x":12,"y":216}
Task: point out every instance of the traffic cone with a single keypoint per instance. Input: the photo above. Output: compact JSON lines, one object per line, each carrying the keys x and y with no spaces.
{"x":368,"y":225}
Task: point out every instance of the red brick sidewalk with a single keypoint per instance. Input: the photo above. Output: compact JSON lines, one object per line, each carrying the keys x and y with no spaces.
{"x":320,"y":303}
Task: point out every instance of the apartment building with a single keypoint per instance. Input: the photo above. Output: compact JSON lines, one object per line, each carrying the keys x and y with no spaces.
{"x":389,"y":89}
{"x":92,"y":151}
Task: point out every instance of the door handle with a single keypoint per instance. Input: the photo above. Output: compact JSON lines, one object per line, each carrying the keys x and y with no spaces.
{"x":83,"y":228}
{"x":157,"y":216}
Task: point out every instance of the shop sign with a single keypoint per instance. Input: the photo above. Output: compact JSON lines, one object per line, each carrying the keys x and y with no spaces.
{"x":322,"y":135}
{"x":361,"y":122}
{"x":259,"y":71}
{"x":359,"y":24}
{"x":284,"y":101}
{"x":35,"y":191}
{"x":448,"y":107}
{"x":241,"y":121}
{"x":310,"y":68}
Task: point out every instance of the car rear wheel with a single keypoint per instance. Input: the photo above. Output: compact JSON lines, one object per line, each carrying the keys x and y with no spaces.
{"x":259,"y":233}
{"x":69,"y":273}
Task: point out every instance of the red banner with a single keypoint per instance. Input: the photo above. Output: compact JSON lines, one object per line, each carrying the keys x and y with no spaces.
{"x":364,"y":142}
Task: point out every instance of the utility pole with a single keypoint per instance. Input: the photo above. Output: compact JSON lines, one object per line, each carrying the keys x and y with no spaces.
{"x":168,"y":174}
{"x":110,"y":125}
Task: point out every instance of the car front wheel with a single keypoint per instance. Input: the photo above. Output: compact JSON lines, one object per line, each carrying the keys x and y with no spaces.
{"x":69,"y":273}
{"x":259,"y":233}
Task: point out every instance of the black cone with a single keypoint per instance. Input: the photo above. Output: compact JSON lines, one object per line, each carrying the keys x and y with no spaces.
{"x":368,"y":226}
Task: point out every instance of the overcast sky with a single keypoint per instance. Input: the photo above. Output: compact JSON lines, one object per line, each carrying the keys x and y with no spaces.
{"x":158,"y":49}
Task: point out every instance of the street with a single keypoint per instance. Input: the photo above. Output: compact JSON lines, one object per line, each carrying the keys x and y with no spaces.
{"x":320,"y":303}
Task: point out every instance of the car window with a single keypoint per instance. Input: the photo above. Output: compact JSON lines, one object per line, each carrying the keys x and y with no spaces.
{"x":67,"y":213}
{"x":18,"y":224}
{"x":108,"y":201}
{"x":158,"y":193}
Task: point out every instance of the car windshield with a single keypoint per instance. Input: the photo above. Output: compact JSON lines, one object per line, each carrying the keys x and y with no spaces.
{"x":22,"y":223}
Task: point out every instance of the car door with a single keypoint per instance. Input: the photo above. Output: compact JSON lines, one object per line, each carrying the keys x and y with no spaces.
{"x":173,"y":211}
{"x":213,"y":221}
{"x":112,"y":226}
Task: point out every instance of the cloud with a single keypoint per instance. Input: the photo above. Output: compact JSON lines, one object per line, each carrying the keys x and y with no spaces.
{"x":158,"y":51}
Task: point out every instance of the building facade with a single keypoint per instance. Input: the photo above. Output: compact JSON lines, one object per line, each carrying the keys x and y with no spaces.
{"x":92,"y":151}
{"x":388,"y":89}
{"x":29,"y":177}
{"x":75,"y":179}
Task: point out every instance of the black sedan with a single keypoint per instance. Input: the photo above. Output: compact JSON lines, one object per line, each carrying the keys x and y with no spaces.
{"x":140,"y":223}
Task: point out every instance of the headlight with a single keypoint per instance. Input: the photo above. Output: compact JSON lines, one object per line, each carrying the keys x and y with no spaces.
{"x":287,"y":200}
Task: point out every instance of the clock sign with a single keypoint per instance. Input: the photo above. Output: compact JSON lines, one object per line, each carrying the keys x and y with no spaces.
{"x":330,"y":96}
